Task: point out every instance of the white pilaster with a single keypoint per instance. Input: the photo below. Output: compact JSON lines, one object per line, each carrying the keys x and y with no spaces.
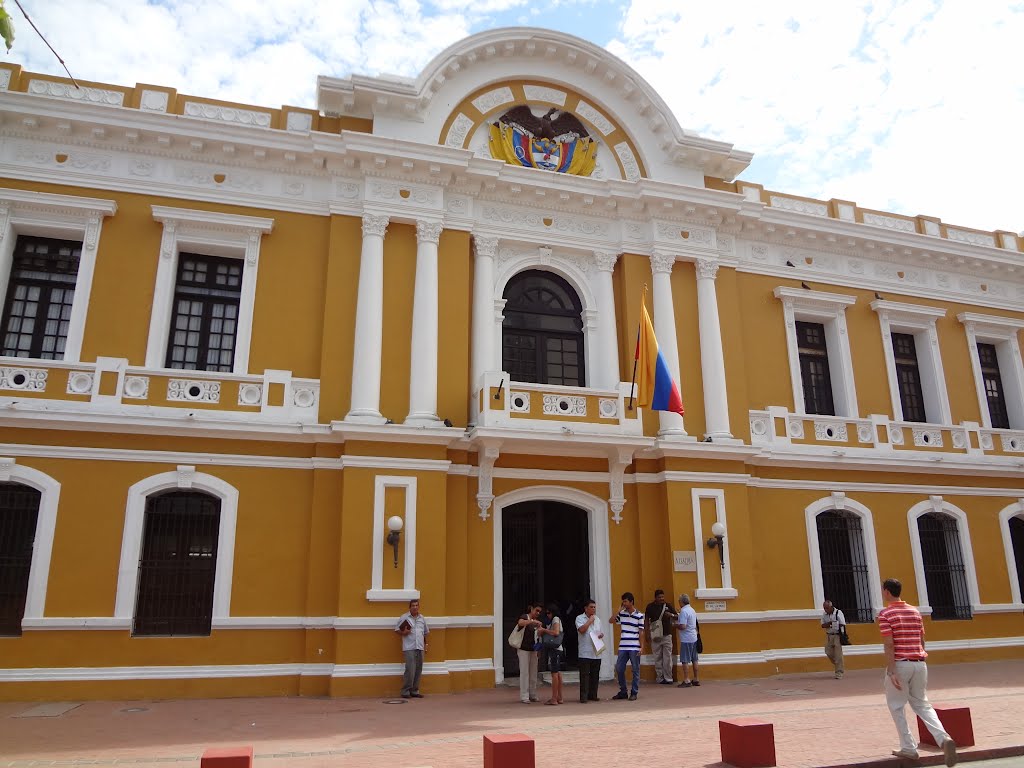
{"x":366,"y":357}
{"x":423,"y":369}
{"x":483,"y":314}
{"x":665,"y":330}
{"x":607,"y":367}
{"x":712,"y":358}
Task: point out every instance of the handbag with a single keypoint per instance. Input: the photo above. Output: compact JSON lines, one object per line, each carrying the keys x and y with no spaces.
{"x":516,"y":638}
{"x":844,"y":639}
{"x":553,"y":641}
{"x":657,"y":626}
{"x":700,"y":643}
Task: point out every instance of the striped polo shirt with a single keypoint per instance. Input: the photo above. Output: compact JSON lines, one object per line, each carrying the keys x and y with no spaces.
{"x":903,"y":623}
{"x":629,"y":634}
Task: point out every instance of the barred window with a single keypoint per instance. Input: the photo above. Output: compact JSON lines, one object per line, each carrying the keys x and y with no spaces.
{"x":945,"y":574}
{"x":19,"y":511}
{"x":178,"y":564}
{"x":814,"y":369}
{"x":205,"y":319}
{"x":993,"y":385}
{"x":542,"y":334}
{"x":908,"y":376}
{"x":40,"y":292}
{"x":844,"y":565}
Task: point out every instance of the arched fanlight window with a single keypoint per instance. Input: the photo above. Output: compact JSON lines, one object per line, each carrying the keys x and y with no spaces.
{"x":542,"y":334}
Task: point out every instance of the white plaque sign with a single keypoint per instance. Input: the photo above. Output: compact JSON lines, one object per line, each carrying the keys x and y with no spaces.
{"x":685,"y":561}
{"x":714,"y":605}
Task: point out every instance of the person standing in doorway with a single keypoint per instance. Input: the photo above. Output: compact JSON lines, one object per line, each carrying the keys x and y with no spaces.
{"x":554,"y":652}
{"x":527,"y":653}
{"x":906,"y":673}
{"x":833,"y":622}
{"x":659,"y":620}
{"x":687,"y":626}
{"x":630,"y":622}
{"x":413,"y":628}
{"x":590,"y":636}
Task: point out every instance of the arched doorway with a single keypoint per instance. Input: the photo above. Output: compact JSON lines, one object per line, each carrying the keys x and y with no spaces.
{"x":19,"y":513}
{"x":545,"y":555}
{"x":542,"y":333}
{"x":1016,"y":524}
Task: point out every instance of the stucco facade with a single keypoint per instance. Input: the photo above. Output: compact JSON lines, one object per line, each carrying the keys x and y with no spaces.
{"x":377,"y":241}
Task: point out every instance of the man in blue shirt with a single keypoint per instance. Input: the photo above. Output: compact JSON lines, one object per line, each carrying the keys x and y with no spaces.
{"x":631,"y":624}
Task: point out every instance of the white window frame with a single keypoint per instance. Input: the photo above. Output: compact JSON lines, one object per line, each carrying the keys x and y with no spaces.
{"x":839,"y":502}
{"x":1002,"y":332}
{"x":211,"y":234}
{"x":376,"y":592}
{"x":184,"y":478}
{"x":726,"y":592}
{"x":46,"y":526}
{"x":65,"y":217}
{"x":919,"y":321}
{"x":1014,"y":510}
{"x":938,"y":504}
{"x":828,"y":309}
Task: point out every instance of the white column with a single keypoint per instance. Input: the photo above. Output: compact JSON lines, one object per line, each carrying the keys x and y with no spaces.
{"x":608,"y":342}
{"x":712,"y":359}
{"x":369,"y":324}
{"x":483,"y":314}
{"x":665,"y":330}
{"x":423,"y":368}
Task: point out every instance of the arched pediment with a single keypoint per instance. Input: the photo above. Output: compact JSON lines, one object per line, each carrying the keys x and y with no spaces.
{"x":438,"y":106}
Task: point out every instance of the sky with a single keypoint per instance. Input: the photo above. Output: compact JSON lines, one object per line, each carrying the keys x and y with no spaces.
{"x":911,"y":106}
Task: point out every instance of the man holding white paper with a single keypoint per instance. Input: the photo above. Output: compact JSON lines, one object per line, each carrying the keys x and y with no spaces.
{"x":591,"y":646}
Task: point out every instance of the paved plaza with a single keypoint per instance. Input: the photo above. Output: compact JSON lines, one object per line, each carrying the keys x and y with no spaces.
{"x":819,"y":721}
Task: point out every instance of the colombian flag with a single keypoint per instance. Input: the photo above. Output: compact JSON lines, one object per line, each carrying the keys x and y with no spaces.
{"x":656,"y":388}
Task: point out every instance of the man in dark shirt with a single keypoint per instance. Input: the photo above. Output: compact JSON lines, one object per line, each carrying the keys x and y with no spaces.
{"x":659,"y":619}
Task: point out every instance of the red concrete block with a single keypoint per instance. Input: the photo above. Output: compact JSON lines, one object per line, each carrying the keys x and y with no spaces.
{"x":227,"y":757}
{"x":747,"y":742}
{"x":957,"y":723}
{"x":509,"y":750}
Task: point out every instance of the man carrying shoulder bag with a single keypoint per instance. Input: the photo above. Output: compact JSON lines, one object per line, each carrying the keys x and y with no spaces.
{"x":659,"y":619}
{"x":834,"y":624}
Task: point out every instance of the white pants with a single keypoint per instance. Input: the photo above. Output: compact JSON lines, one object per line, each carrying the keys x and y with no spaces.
{"x":914,"y":677}
{"x":527,"y":675}
{"x":664,"y":661}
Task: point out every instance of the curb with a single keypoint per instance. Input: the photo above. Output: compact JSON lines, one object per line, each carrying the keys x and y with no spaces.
{"x":968,"y":755}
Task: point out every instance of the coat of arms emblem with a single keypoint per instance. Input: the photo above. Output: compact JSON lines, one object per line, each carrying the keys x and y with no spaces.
{"x":556,"y":142}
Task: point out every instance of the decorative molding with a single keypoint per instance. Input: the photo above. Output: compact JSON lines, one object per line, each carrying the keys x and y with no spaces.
{"x":594,"y":117}
{"x":154,"y":101}
{"x":459,"y":131}
{"x":428,"y":231}
{"x":377,"y":592}
{"x":23,"y":379}
{"x":628,"y":160}
{"x":544,"y":93}
{"x":485,"y":247}
{"x":564,"y":405}
{"x":973,"y":238}
{"x":375,"y":226}
{"x":107,"y":97}
{"x":662,"y":263}
{"x":493,"y":99}
{"x":606,"y":260}
{"x":890,"y":222}
{"x":227,"y":114}
{"x":707,"y":269}
{"x":798,"y":206}
{"x":299,"y":122}
{"x":192,"y":390}
{"x":488,"y":454}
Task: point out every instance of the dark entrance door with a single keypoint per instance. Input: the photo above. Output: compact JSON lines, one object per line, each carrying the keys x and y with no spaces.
{"x":545,"y":554}
{"x":1017,"y":542}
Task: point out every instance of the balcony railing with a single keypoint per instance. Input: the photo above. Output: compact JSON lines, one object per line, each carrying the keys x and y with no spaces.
{"x":111,"y":386}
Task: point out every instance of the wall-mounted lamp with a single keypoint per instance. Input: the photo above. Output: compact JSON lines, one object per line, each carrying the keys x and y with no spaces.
{"x":395,"y":533}
{"x":718,"y":540}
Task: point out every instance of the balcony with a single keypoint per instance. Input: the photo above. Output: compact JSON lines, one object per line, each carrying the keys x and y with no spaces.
{"x":540,"y":408}
{"x":111,"y":387}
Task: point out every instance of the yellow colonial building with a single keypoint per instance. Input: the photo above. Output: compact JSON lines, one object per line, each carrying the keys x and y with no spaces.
{"x":242,"y":345}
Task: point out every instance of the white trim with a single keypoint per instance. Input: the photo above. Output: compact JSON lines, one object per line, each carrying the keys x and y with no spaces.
{"x":131,"y":542}
{"x":386,"y":462}
{"x":839,"y":501}
{"x":919,"y":321}
{"x":377,"y":593}
{"x":600,"y":559}
{"x":215,"y":234}
{"x":394,"y":669}
{"x":938,"y":504}
{"x":1014,"y":510}
{"x":829,"y":309}
{"x":726,"y":591}
{"x":1001,"y":332}
{"x":60,"y":216}
{"x":46,"y":525}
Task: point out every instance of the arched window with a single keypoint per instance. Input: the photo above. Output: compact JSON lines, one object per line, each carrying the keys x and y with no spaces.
{"x":844,"y":565}
{"x":542,"y":334}
{"x":945,"y":572}
{"x":178,"y":563}
{"x":19,"y":513}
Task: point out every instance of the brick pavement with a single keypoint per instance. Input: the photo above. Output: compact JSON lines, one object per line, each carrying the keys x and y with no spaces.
{"x":818,"y":721}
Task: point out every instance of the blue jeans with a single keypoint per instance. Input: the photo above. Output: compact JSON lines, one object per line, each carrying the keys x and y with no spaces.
{"x":633,"y":658}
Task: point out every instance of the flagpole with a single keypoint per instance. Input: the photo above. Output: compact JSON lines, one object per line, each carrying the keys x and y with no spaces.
{"x":636,"y":356}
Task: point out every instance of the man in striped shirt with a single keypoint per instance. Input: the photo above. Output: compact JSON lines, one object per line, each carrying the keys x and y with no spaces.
{"x":906,"y":674}
{"x":631,"y":624}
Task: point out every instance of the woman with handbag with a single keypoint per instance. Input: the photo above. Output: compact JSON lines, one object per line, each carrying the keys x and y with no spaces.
{"x":529,"y":624}
{"x":551,"y":638}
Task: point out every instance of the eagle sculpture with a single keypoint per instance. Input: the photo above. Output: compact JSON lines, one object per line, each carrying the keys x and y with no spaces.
{"x":557,"y":142}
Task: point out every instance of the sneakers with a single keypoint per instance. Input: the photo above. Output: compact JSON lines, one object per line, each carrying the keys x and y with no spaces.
{"x":620,"y":696}
{"x":684,"y":684}
{"x":949,"y":751}
{"x":632,"y":697}
{"x":416,"y":695}
{"x":696,"y":681}
{"x":907,"y":753}
{"x":665,"y":682}
{"x":839,"y":675}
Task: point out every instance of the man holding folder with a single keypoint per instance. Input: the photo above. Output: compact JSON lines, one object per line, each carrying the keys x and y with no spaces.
{"x":591,"y":646}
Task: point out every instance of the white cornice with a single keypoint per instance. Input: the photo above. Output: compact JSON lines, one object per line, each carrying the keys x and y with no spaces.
{"x":194,"y":217}
{"x":1007,"y":323}
{"x":900,"y":309}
